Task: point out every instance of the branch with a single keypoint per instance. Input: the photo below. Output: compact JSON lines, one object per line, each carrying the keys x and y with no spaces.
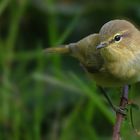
{"x":120,"y":116}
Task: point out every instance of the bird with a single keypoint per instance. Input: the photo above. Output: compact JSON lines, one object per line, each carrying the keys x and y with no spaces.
{"x":111,"y":57}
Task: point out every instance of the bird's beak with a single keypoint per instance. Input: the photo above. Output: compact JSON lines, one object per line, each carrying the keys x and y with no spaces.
{"x":101,"y":45}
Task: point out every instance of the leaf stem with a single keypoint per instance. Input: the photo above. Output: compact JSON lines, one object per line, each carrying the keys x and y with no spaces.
{"x":119,"y":116}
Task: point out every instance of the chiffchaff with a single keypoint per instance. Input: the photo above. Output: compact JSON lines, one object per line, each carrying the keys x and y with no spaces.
{"x":111,"y":57}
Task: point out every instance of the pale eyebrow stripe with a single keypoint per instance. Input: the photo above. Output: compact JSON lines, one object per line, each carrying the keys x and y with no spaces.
{"x":122,"y":34}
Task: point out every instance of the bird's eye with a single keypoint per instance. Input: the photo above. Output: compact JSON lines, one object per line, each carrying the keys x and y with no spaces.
{"x":117,"y":38}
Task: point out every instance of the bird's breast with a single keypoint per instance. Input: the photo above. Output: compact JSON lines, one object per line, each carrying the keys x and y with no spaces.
{"x":121,"y":70}
{"x":115,"y":74}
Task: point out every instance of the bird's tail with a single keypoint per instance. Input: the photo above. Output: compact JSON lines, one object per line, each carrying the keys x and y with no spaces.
{"x":64,"y":49}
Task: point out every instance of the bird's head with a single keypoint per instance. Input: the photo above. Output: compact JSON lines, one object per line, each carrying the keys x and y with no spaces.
{"x":117,"y":37}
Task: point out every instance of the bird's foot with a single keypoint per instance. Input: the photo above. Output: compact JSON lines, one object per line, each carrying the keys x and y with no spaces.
{"x":121,"y":110}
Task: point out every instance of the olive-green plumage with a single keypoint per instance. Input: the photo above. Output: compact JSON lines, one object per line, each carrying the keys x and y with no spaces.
{"x":111,"y":57}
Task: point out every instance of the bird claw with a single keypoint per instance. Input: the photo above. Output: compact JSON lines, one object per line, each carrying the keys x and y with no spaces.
{"x":121,"y":110}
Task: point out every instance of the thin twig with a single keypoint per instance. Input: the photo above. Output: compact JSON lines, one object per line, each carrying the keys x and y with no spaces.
{"x":120,"y":116}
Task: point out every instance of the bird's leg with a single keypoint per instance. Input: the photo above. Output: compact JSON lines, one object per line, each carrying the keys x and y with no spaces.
{"x":108,"y":98}
{"x":120,"y":109}
{"x":124,"y":99}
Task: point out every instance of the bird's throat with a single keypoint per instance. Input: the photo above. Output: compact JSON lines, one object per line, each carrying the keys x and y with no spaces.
{"x":110,"y":54}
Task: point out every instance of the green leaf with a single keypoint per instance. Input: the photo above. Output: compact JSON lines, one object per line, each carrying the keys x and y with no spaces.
{"x":135,"y":106}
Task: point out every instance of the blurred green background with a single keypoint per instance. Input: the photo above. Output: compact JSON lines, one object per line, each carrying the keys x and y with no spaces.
{"x":49,"y":97}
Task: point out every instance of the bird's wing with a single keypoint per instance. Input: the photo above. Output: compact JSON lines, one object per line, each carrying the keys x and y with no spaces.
{"x":89,"y":56}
